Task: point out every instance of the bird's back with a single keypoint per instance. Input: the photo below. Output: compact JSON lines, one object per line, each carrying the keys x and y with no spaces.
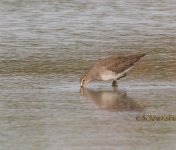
{"x":117,"y":64}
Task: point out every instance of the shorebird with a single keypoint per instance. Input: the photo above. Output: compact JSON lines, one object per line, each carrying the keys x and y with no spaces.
{"x":111,"y":68}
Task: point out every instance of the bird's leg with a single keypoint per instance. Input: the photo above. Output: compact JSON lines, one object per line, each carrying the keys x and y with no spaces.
{"x":124,"y":75}
{"x":114,"y":83}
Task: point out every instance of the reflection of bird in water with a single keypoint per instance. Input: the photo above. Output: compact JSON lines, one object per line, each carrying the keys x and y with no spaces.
{"x":113,"y":100}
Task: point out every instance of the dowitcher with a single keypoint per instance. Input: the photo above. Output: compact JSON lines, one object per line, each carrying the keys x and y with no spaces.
{"x":111,"y":68}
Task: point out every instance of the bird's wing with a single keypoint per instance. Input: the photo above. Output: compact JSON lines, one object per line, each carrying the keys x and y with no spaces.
{"x":121,"y":63}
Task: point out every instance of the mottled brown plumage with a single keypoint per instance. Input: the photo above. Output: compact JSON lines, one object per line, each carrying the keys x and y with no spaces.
{"x":111,"y":68}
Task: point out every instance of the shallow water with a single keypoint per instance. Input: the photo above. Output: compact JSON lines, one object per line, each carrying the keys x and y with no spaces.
{"x":45,"y":46}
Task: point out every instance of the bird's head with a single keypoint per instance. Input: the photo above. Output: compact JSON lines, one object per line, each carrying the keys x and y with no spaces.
{"x":84,"y":80}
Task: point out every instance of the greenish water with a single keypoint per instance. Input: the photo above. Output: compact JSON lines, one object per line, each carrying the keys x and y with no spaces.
{"x":45,"y":46}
